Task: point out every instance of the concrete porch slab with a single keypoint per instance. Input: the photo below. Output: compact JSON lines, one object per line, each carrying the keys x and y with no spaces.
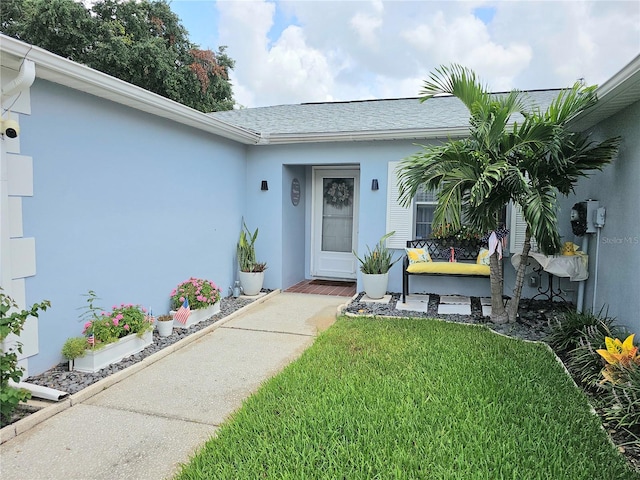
{"x":385,"y":299}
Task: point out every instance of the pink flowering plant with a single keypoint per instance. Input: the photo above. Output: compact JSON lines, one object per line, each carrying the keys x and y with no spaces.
{"x":123,"y":320}
{"x":102,"y":328}
{"x":200,"y":293}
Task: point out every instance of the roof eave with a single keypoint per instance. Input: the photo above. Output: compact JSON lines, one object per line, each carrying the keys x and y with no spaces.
{"x":65,"y":72}
{"x":617,"y":93}
{"x":363,"y":136}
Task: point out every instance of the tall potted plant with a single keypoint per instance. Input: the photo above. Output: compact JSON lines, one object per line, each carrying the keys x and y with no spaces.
{"x":251,"y":272}
{"x":375,"y":267}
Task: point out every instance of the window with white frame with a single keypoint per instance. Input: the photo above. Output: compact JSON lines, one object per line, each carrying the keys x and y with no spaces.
{"x":425,"y":204}
{"x":414,"y":221}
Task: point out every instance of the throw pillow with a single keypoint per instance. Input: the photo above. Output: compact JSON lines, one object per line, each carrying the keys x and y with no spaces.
{"x":417,"y":255}
{"x":483,"y":257}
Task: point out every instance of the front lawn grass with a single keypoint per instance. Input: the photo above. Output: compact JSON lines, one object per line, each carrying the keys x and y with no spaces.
{"x":413,"y":399}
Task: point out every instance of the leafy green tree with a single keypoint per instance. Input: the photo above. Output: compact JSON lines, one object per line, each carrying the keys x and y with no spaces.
{"x":501,"y":161}
{"x":143,"y":43}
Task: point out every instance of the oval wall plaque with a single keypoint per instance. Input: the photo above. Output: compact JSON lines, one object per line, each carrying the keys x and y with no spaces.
{"x":295,"y":192}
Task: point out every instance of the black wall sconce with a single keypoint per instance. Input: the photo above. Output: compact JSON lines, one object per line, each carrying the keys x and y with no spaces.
{"x":264,"y":185}
{"x":374,"y":184}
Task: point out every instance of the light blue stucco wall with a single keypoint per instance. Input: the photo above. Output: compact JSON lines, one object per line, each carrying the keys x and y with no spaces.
{"x":284,"y":230}
{"x":293,"y":226}
{"x":617,"y":188}
{"x":126,"y":204}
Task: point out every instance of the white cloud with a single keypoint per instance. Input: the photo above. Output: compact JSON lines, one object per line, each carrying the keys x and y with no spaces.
{"x":285,"y":71}
{"x":374,"y":49}
{"x":366,"y":24}
{"x":466,"y":40}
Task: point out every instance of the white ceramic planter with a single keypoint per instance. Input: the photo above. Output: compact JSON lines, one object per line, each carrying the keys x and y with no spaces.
{"x":251,"y":282}
{"x":375,"y":285}
{"x":95,"y":360}
{"x":198,"y":315}
{"x":164,"y":328}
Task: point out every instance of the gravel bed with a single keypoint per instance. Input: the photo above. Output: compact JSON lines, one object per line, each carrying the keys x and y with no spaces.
{"x":532,"y":323}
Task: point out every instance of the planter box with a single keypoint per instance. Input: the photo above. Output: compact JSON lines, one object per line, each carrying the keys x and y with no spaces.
{"x":94,"y":360}
{"x":198,"y":315}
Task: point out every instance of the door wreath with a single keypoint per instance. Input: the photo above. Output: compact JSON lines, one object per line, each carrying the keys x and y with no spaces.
{"x":339,"y":192}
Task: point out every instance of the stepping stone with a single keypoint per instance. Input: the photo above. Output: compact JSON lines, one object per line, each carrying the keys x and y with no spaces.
{"x":454,"y":309}
{"x":385,"y":299}
{"x":414,"y":303}
{"x":454,"y":300}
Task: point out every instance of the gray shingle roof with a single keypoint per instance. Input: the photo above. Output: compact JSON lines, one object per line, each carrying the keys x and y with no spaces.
{"x":362,"y":116}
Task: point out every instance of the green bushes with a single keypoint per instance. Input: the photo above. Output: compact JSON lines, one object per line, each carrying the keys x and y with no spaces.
{"x":586,"y":340}
{"x":12,"y":321}
{"x":583,"y":360}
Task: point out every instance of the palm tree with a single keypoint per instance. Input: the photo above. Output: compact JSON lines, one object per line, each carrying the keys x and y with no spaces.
{"x":502,"y":161}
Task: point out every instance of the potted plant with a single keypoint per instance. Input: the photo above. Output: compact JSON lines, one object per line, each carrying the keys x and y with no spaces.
{"x":165,"y":325}
{"x":109,"y":337}
{"x":375,"y":268}
{"x":200,"y":296}
{"x":251,"y":272}
{"x":465,"y":236}
{"x":74,"y":347}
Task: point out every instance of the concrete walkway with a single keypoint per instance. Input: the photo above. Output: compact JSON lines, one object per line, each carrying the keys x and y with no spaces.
{"x":148,"y":423}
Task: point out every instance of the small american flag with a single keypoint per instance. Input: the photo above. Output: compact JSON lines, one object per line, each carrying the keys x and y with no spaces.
{"x":91,"y":340}
{"x":183,"y":312}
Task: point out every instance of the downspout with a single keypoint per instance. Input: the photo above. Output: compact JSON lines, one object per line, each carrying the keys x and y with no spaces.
{"x":580,"y":300}
{"x":24,"y":80}
{"x":41,"y":392}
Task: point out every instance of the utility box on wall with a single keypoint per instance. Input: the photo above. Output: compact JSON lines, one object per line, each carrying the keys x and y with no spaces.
{"x":583,"y":217}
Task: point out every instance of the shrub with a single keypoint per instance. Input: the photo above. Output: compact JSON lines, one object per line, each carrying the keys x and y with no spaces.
{"x":622,"y":381}
{"x":13,"y":323}
{"x":585,"y":363}
{"x":74,"y":347}
{"x":567,"y":331}
{"x":620,"y":357}
{"x":624,"y":398}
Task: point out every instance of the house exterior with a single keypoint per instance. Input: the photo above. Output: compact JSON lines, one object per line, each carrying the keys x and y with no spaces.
{"x":114,"y":189}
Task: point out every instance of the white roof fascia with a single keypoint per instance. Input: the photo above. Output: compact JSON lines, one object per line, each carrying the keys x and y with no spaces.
{"x":56,"y":69}
{"x":361,"y":136}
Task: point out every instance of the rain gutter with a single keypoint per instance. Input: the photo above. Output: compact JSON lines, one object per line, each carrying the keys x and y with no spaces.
{"x":363,"y":136}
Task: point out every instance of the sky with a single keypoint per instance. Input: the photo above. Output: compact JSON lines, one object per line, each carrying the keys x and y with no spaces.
{"x":289,"y":52}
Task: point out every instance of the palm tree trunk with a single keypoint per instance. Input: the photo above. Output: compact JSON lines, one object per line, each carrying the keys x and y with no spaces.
{"x":517,"y":291}
{"x":498,"y":312}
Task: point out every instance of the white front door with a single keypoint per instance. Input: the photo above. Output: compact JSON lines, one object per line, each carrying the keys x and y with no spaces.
{"x":334,"y":227}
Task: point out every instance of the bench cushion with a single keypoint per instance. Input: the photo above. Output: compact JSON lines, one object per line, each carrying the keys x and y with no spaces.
{"x":449,"y":268}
